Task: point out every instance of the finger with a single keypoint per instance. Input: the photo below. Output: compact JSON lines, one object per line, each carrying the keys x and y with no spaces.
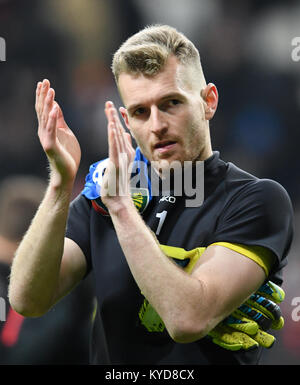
{"x":266,"y":317}
{"x":113,"y":148}
{"x":37,"y":92}
{"x":130,"y":149}
{"x":126,"y":151}
{"x":119,"y":130}
{"x":230,"y":339}
{"x":114,"y":123}
{"x":271,"y":291}
{"x":60,"y":116}
{"x":278,"y":324}
{"x":37,"y":95}
{"x":128,"y":136}
{"x":264,"y":339}
{"x":109,"y":116}
{"x":48,"y":105}
{"x":110,"y":108}
{"x":110,"y":175}
{"x":123,"y":113}
{"x":124,"y":137}
{"x":112,"y":113}
{"x":51,"y":130}
{"x":122,"y":144}
{"x":119,"y":149}
{"x":38,"y":88}
{"x":250,"y":312}
{"x":42,"y":95}
{"x":266,"y":306}
{"x":239,"y":322}
{"x":118,"y":120}
{"x":128,"y":140}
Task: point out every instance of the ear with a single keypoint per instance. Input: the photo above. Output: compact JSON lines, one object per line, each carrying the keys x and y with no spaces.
{"x":124,"y":114}
{"x":211,"y":98}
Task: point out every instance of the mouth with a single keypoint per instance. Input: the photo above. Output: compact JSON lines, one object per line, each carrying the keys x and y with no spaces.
{"x":164,"y":146}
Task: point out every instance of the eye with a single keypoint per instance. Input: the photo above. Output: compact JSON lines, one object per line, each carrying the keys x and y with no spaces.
{"x":173,"y":102}
{"x":170,"y":104}
{"x":139,"y":111}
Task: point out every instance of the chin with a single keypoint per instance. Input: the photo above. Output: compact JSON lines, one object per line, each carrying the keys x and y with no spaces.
{"x":164,"y":165}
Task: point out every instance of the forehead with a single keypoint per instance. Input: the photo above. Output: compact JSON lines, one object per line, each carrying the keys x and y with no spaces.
{"x":139,"y":89}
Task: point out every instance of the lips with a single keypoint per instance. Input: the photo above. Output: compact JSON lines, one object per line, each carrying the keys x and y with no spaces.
{"x":164,"y":144}
{"x":164,"y":148}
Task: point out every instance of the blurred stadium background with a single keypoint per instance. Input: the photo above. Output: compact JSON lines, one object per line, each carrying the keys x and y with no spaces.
{"x":245,"y":48}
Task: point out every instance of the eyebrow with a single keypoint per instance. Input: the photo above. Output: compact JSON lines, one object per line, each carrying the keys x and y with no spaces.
{"x":172,"y":95}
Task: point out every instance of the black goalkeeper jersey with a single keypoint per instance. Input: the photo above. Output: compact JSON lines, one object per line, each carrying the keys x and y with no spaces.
{"x":237,"y":208}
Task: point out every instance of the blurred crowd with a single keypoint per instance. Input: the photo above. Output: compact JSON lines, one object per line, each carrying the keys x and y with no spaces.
{"x":245,"y":49}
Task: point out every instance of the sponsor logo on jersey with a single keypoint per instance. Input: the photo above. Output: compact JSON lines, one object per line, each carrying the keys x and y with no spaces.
{"x":168,"y":198}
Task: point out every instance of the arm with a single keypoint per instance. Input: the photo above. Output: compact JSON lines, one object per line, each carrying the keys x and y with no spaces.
{"x":46,"y":266}
{"x":190,"y":305}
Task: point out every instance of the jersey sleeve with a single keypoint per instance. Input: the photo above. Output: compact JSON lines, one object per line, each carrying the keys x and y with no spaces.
{"x":262,"y":256}
{"x":78,"y":226}
{"x":260,"y":214}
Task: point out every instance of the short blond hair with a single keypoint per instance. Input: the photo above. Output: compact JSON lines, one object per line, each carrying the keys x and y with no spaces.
{"x":147,"y":51}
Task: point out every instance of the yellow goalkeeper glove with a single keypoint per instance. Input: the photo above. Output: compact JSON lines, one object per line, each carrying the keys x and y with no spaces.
{"x":247,"y":326}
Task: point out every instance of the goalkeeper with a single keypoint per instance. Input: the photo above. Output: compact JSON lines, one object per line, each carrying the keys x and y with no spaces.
{"x":243,"y":224}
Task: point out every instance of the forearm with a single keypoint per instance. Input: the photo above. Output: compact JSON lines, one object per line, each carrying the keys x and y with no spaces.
{"x":35,"y":268}
{"x":173,"y":293}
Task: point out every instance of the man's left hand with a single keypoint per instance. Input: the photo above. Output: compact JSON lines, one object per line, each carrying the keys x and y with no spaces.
{"x":247,"y":327}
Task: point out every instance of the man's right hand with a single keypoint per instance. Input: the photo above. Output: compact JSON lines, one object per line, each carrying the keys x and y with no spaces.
{"x":58,"y":141}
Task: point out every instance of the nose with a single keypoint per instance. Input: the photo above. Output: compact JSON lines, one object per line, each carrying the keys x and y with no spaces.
{"x":159,"y":125}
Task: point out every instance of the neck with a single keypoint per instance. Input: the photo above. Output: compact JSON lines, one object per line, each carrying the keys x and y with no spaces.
{"x":206,"y":151}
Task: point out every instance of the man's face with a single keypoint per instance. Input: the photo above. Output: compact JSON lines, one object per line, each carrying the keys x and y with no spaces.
{"x":165,"y":113}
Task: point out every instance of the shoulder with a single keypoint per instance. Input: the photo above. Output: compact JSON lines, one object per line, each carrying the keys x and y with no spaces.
{"x":241,"y":185}
{"x":79,"y":209}
{"x":259,"y":206}
{"x":272,"y":193}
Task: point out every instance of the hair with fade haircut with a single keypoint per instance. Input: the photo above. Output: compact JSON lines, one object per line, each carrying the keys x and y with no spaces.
{"x":147,"y":51}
